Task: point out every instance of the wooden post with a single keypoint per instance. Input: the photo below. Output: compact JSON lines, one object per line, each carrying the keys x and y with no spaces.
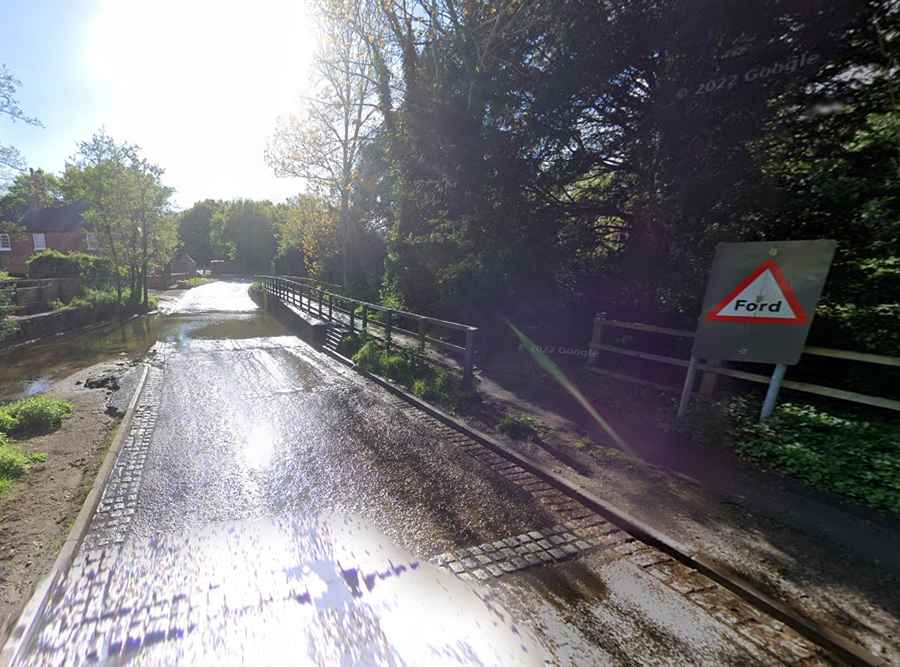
{"x":365,"y":322}
{"x":422,"y":334}
{"x":387,"y":330}
{"x":709,"y":380}
{"x":597,"y":336}
{"x":352,"y":319}
{"x":330,"y":306}
{"x":470,"y":357}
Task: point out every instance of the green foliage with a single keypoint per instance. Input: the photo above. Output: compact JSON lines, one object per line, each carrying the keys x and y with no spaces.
{"x":406,"y":368}
{"x":374,"y":315}
{"x":244,"y":230}
{"x":27,"y":189}
{"x":845,"y":453}
{"x":33,"y":415}
{"x":368,"y":358}
{"x":194,"y":230}
{"x":7,"y":326}
{"x":518,"y":427}
{"x":196,"y":281}
{"x":351,"y":343}
{"x":95,"y":272}
{"x":14,"y":462}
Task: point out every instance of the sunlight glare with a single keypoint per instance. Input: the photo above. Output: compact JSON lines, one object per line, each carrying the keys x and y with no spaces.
{"x":199,"y":84}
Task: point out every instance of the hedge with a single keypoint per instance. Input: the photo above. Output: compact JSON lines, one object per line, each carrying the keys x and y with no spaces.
{"x":95,"y":272}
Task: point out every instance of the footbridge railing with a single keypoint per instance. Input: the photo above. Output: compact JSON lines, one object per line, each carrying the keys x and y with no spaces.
{"x":390,"y":326}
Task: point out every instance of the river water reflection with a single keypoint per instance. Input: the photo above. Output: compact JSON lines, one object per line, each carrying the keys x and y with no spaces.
{"x":31,"y":369}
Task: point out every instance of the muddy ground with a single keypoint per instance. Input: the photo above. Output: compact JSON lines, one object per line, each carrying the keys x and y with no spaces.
{"x":38,"y":511}
{"x":836,"y":562}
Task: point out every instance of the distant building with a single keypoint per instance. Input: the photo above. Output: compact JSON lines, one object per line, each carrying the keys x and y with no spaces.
{"x":53,"y":228}
{"x":183,"y":263}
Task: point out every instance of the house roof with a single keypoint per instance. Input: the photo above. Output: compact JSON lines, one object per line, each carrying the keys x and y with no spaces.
{"x":54,"y":219}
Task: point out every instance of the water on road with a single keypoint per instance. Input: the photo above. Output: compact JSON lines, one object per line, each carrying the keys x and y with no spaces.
{"x":272,"y":507}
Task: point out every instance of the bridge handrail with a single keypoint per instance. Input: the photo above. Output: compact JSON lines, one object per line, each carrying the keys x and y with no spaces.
{"x":375,"y":306}
{"x":311,"y":288}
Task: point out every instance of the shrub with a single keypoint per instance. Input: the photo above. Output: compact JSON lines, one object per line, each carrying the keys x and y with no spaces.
{"x":7,"y":327}
{"x":95,"y":272}
{"x":518,"y":427}
{"x":844,"y":453}
{"x":351,"y":343}
{"x":374,"y":315}
{"x":37,"y":414}
{"x":14,"y":462}
{"x":368,"y":358}
{"x":196,"y":281}
{"x":396,"y":367}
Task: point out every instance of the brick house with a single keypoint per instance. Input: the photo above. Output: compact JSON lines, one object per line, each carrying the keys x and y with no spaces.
{"x":53,"y":228}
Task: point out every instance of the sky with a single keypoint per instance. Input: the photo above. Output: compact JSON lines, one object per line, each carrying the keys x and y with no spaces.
{"x":197,"y":84}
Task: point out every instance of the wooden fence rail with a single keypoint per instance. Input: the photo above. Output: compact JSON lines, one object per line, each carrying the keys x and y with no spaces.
{"x":362,"y":316}
{"x":601,"y":325}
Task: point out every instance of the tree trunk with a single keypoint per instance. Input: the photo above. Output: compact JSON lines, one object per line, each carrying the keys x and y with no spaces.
{"x":145,"y":240}
{"x":115,"y":260}
{"x":345,"y":230}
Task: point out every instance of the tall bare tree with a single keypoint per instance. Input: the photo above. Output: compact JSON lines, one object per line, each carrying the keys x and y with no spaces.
{"x":322,"y":142}
{"x":10,"y":157}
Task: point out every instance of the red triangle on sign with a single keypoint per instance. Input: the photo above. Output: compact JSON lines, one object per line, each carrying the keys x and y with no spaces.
{"x":763,"y":297}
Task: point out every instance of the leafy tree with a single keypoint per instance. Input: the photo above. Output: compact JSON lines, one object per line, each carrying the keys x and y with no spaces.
{"x":194,"y":228}
{"x":310,"y":226}
{"x":33,"y":188}
{"x":245,"y":229}
{"x":125,"y":202}
{"x":322,"y":144}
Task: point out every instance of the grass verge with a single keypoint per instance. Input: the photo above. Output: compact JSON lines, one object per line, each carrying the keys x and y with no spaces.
{"x":844,"y":452}
{"x":14,"y":462}
{"x":30,"y":416}
{"x":405,"y":367}
{"x":197,"y":281}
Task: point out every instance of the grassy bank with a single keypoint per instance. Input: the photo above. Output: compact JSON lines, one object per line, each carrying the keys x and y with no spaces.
{"x":197,"y":281}
{"x":22,"y":419}
{"x":840,"y":450}
{"x":405,"y":367}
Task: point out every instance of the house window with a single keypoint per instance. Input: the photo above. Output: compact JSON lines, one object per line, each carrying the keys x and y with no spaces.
{"x":5,"y":243}
{"x":40,"y":242}
{"x":90,"y":241}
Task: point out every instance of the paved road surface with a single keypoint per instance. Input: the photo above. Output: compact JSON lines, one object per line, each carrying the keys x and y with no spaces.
{"x":272,"y":507}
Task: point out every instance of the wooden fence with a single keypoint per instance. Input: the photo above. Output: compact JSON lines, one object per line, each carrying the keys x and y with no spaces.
{"x":363,"y":317}
{"x":602,"y":325}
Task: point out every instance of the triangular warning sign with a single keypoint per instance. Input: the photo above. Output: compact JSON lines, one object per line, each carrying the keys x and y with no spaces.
{"x":763,"y":297}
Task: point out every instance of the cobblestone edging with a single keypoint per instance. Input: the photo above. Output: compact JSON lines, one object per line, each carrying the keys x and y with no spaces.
{"x":82,"y":593}
{"x":537,"y":547}
{"x":581,"y":530}
{"x":118,"y":504}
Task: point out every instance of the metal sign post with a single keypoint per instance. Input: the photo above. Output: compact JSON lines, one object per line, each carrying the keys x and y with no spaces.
{"x":759,"y":305}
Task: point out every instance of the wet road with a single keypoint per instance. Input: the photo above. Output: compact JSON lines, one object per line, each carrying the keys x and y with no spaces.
{"x":272,"y":507}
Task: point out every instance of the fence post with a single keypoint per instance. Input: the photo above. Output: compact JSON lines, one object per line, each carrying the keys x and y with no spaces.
{"x":365,"y":322}
{"x":709,"y":380}
{"x":387,"y":330}
{"x":422,"y":335}
{"x":330,"y":306}
{"x":321,"y":295}
{"x":597,"y":336}
{"x":352,"y":319}
{"x":470,"y":357}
